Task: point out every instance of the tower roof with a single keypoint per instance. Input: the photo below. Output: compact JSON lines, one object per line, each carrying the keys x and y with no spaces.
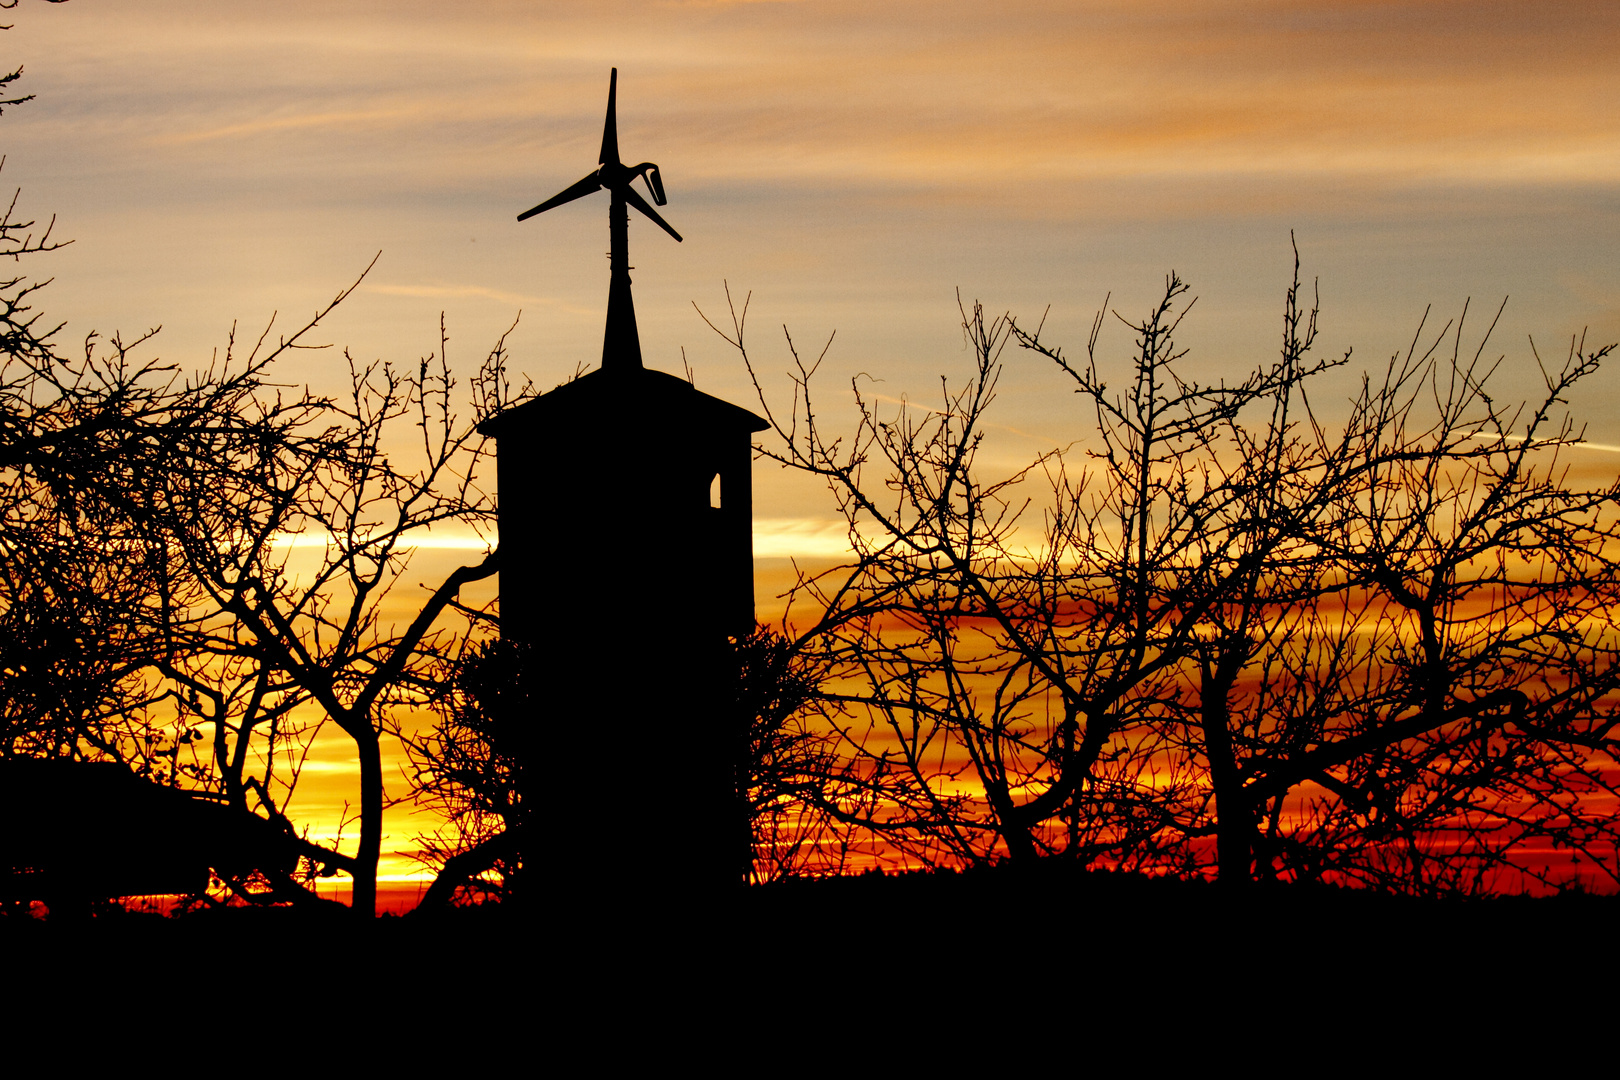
{"x":597,"y":397}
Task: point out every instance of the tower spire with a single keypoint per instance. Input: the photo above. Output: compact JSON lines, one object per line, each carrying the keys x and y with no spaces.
{"x":621,"y":344}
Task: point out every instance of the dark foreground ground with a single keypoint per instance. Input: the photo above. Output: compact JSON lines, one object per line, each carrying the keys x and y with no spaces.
{"x":933,"y":921}
{"x":993,"y":956}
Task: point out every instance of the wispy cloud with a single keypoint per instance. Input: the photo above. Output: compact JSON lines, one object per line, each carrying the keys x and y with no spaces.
{"x":1486,"y":436}
{"x":924,"y":95}
{"x":296,"y":122}
{"x":444,"y":292}
{"x":800,"y":538}
{"x":774,"y":538}
{"x":463,"y":542}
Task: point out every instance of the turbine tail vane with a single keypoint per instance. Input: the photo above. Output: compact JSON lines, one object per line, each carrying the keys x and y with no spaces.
{"x":649,"y":173}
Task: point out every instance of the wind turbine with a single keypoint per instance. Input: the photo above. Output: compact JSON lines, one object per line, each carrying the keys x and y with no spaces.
{"x":621,"y":345}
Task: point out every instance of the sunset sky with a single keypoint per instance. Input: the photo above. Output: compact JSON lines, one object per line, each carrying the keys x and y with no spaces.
{"x":851,"y":164}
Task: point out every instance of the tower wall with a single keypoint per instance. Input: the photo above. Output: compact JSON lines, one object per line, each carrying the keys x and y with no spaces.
{"x":624,"y":581}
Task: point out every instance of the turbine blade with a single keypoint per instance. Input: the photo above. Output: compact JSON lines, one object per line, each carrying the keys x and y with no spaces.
{"x":639,"y":203}
{"x":610,"y":129}
{"x":569,"y":194}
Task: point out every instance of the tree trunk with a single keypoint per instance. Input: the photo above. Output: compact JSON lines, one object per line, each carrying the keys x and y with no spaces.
{"x":1234,"y":840}
{"x":367,"y":747}
{"x":1234,"y":816}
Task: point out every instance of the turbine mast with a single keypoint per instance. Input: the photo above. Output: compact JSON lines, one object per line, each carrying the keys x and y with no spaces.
{"x":621,"y":343}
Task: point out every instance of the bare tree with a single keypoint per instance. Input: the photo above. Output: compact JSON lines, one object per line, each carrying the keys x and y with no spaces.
{"x":1477,"y":718}
{"x":1394,"y":557}
{"x":217,"y":482}
{"x":1018,"y":664}
{"x":274,"y":637}
{"x":193,"y":564}
{"x":72,"y":582}
{"x":785,"y":759}
{"x":469,"y":771}
{"x":1214,"y":633}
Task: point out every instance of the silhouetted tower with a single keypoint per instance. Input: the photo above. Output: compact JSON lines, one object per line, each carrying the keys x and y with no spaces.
{"x":627,"y":545}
